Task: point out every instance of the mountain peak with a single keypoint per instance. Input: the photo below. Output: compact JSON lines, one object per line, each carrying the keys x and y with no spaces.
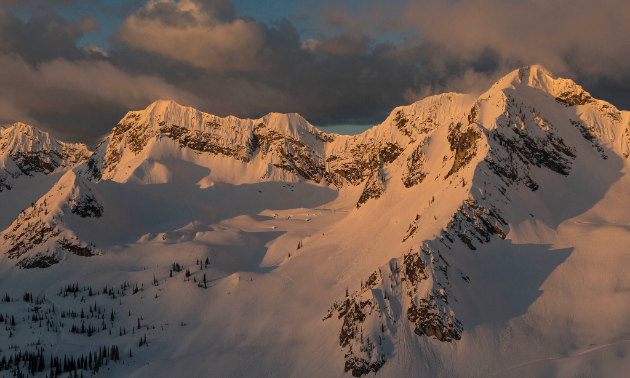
{"x":23,"y":138}
{"x":25,"y":150}
{"x":538,"y":77}
{"x":160,"y":106}
{"x":38,"y":237}
{"x":22,"y":130}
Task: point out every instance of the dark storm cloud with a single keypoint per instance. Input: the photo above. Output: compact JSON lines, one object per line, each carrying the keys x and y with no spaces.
{"x":199,"y":53}
{"x":343,"y":78}
{"x":204,"y":40}
{"x":591,"y":35}
{"x":349,"y":43}
{"x":45,"y":36}
{"x":62,"y":94}
{"x":221,"y":10}
{"x":20,"y":3}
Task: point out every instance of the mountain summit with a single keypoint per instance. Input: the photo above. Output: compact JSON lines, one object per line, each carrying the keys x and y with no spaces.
{"x":25,"y":150}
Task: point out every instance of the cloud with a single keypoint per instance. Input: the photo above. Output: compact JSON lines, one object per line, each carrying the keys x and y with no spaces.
{"x":92,"y":49}
{"x":247,"y":68}
{"x":343,"y":44}
{"x":61,"y":88}
{"x":201,"y":33}
{"x":467,"y":44}
{"x":45,"y":36}
{"x":567,"y":36}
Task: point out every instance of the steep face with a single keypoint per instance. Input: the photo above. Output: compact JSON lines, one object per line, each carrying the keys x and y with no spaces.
{"x":25,"y":150}
{"x":528,"y":127}
{"x":39,"y":238}
{"x":602,"y":119}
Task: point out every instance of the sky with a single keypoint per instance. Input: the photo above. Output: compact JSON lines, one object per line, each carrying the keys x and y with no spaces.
{"x":75,"y":67}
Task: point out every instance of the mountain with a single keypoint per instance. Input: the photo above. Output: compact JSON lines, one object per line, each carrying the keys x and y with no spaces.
{"x":25,"y":151}
{"x":277,"y":147}
{"x":465,"y":236}
{"x":31,"y":161}
{"x":39,"y":227}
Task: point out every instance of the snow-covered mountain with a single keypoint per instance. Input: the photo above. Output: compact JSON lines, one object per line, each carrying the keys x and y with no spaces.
{"x":277,"y":147}
{"x":31,"y":161}
{"x":465,"y":236}
{"x":25,"y":151}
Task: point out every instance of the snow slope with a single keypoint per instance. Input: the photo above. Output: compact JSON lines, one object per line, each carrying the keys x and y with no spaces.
{"x":463,"y":237}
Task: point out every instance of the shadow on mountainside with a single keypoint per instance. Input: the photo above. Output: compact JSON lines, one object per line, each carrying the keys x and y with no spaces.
{"x":506,"y":277}
{"x":507,"y":280}
{"x":560,"y":197}
{"x":182,"y":210}
{"x":246,"y":257}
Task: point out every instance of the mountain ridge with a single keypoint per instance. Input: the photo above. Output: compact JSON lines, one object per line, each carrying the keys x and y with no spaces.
{"x":25,"y":150}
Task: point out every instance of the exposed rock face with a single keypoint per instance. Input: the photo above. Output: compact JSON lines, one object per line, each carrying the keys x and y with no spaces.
{"x":29,"y":231}
{"x":87,"y":206}
{"x":430,"y":313}
{"x":414,"y":174}
{"x":464,"y":143}
{"x":475,"y":222}
{"x":572,"y":99}
{"x":505,"y":149}
{"x":590,"y":134}
{"x":374,"y":187}
{"x":367,"y":315}
{"x":283,"y":142}
{"x":414,"y":122}
{"x":208,"y":142}
{"x":38,"y":236}
{"x":39,"y":260}
{"x":413,"y":227}
{"x":523,"y":138}
{"x":300,"y":151}
{"x":200,"y":132}
{"x":292,"y":155}
{"x":277,"y":143}
{"x":25,"y":150}
{"x":363,"y":160}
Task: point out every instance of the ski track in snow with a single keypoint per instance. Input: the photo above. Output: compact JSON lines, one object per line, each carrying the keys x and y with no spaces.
{"x":503,"y":373}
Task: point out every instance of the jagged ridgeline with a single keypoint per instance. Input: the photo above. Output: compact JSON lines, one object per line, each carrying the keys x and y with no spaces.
{"x":276,"y":147}
{"x":27,"y":151}
{"x":412,"y":205}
